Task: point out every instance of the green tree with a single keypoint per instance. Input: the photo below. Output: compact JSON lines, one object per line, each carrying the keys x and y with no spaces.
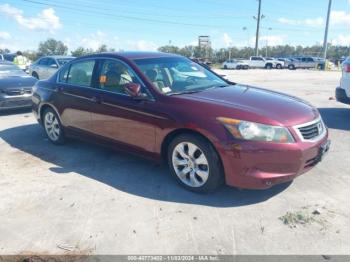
{"x":52,"y":47}
{"x":169,"y":49}
{"x":102,"y":48}
{"x":4,"y":51}
{"x":31,"y":55}
{"x":80,"y":51}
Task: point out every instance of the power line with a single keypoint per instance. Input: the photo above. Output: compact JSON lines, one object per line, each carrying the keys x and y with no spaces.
{"x":122,"y":16}
{"x":119,"y":16}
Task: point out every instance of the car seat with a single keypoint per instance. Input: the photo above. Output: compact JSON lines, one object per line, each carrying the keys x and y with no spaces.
{"x":152,"y":76}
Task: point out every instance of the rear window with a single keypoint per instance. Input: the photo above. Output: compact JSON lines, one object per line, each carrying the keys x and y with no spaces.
{"x":80,"y":73}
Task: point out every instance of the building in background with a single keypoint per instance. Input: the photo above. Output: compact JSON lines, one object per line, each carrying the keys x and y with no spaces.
{"x":204,"y":45}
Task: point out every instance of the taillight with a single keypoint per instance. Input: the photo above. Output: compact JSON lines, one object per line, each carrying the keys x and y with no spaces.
{"x":347,"y":68}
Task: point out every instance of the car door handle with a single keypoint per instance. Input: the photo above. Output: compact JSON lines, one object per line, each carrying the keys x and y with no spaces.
{"x":58,"y":89}
{"x":95,"y":99}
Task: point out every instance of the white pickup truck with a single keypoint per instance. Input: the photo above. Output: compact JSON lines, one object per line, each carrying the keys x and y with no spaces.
{"x":260,"y":62}
{"x":343,"y":91}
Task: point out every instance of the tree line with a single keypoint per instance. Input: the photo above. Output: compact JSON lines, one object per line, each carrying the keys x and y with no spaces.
{"x":56,"y":47}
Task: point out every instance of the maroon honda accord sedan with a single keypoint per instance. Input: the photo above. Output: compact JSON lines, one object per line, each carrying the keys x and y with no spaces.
{"x":166,"y":107}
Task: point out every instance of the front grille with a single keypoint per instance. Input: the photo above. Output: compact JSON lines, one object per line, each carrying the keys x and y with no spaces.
{"x":17,"y":91}
{"x":312,"y":131}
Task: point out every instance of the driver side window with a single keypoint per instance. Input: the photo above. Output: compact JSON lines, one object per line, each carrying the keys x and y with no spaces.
{"x":114,"y":75}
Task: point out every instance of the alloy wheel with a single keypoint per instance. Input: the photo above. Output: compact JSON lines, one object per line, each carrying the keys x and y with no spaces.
{"x":52,"y":126}
{"x":190,"y":164}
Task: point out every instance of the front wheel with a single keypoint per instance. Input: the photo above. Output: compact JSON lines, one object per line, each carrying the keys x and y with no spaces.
{"x":279,"y":66}
{"x":195,"y":164}
{"x":53,"y":127}
{"x":268,"y":66}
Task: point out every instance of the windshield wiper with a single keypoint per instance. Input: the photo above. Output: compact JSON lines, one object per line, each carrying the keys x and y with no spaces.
{"x":186,"y":92}
{"x":200,"y":89}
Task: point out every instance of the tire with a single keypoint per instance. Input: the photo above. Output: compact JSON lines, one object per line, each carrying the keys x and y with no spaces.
{"x":291,"y":67}
{"x":246,"y":67}
{"x":192,"y":153}
{"x":238,"y":67}
{"x":34,"y":74}
{"x":53,"y":127}
{"x":268,"y":66}
{"x":225,"y":66}
{"x":279,"y":66}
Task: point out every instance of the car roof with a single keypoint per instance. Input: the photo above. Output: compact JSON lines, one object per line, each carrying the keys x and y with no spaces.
{"x":133,"y":55}
{"x":58,"y":56}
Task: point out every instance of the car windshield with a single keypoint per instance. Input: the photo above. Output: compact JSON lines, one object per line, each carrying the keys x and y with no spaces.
{"x":10,"y":70}
{"x":62,"y":61}
{"x":178,"y":75}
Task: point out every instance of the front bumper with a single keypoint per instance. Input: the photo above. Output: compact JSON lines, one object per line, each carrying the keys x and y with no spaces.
{"x":17,"y":101}
{"x":341,"y":96}
{"x":259,"y":165}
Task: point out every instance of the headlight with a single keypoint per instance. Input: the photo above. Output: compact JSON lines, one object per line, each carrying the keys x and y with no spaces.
{"x":257,"y":132}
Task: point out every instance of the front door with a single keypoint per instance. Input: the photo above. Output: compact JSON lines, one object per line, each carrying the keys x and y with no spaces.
{"x":119,"y":117}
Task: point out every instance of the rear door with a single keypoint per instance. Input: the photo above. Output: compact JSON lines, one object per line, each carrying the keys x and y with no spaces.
{"x":41,"y":68}
{"x":119,"y":117}
{"x":75,"y":95}
{"x":304,"y":62}
{"x":52,"y":67}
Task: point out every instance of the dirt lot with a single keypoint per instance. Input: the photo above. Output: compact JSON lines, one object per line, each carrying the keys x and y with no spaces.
{"x":84,"y":199}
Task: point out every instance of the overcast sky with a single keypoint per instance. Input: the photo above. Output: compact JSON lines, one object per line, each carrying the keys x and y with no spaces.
{"x":147,"y":24}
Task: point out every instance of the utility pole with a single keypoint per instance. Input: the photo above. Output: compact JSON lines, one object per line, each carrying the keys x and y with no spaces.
{"x":325,"y":41}
{"x":267,"y":40}
{"x":257,"y":29}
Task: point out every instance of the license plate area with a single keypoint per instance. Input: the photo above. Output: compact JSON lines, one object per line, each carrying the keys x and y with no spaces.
{"x":323,"y":150}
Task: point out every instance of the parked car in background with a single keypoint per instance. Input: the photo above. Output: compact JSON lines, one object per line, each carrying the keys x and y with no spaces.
{"x":235,"y":64}
{"x":306,"y":62}
{"x":9,"y":57}
{"x":278,"y":64}
{"x":210,"y":131}
{"x":286,"y":61}
{"x":46,"y":66}
{"x":259,"y":62}
{"x":343,"y":91}
{"x":15,"y":86}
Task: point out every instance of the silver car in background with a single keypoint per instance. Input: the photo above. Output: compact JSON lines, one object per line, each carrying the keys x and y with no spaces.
{"x":46,"y":66}
{"x":15,"y":87}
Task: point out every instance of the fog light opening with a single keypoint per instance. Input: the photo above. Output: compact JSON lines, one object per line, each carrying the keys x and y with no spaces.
{"x":268,"y":183}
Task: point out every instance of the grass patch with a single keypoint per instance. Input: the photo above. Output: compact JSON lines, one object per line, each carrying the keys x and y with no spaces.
{"x":308,"y":215}
{"x":292,"y":219}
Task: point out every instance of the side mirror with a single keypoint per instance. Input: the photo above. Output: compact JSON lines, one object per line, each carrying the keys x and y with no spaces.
{"x":54,"y":66}
{"x":133,"y":89}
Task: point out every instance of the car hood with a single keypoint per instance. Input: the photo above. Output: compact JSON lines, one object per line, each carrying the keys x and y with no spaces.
{"x":17,"y":82}
{"x":264,"y":105}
